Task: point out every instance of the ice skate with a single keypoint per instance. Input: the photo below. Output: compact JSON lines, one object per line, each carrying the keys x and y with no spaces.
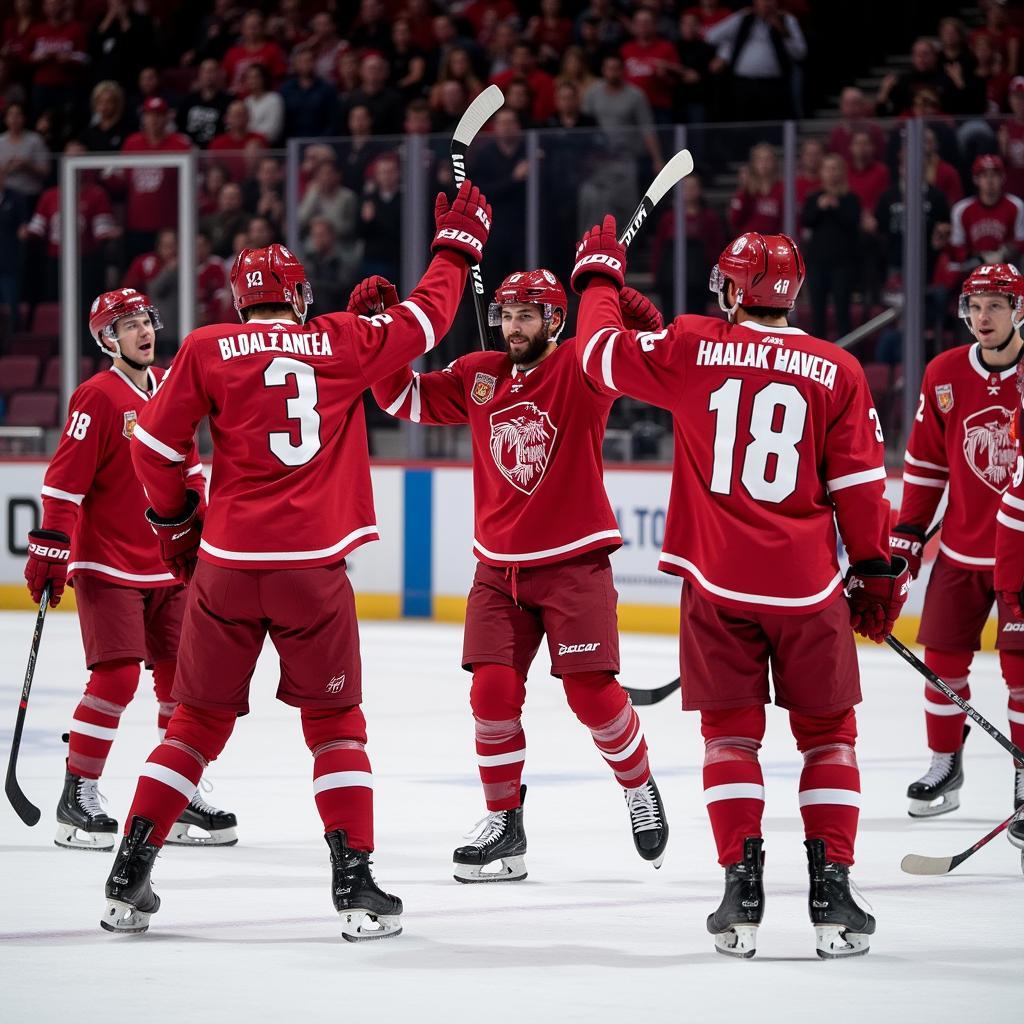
{"x":498,"y":837}
{"x":938,"y":790}
{"x":648,"y":821}
{"x":131,"y":901}
{"x":368,"y":912}
{"x":1015,"y":831}
{"x":1018,"y":786}
{"x":82,"y":824}
{"x":841,"y":927}
{"x":734,"y":924}
{"x":213,"y":826}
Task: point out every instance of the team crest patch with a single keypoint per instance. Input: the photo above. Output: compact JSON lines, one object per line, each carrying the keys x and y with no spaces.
{"x":130,"y":419}
{"x":944,"y":396}
{"x":522,"y":437}
{"x":483,"y":388}
{"x":989,"y":448}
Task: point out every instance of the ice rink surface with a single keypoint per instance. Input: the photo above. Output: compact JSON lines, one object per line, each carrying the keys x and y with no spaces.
{"x":594,"y":934}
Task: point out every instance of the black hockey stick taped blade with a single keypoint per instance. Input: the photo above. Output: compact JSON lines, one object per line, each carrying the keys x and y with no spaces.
{"x":477,"y":115}
{"x":644,"y":697}
{"x":919,"y":864}
{"x":673,"y":172}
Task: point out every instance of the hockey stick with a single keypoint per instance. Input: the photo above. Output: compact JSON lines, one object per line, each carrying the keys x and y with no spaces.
{"x":477,"y":114}
{"x":919,"y":864}
{"x":24,"y":807}
{"x":667,"y":178}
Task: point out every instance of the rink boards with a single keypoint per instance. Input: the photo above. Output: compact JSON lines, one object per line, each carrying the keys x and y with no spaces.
{"x":423,"y":565}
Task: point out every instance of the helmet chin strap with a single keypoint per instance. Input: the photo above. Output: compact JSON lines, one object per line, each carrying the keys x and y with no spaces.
{"x":1009,"y":338}
{"x":134,"y":365}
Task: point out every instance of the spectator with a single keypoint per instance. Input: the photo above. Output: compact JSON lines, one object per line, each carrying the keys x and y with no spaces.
{"x":312,"y":157}
{"x":891,"y":217}
{"x":607,"y":25}
{"x":519,"y":100}
{"x":992,"y":73}
{"x":944,"y":176}
{"x":145,"y":267}
{"x":213,"y":295}
{"x":328,"y":197}
{"x":289,"y":26}
{"x":24,"y":158}
{"x":383,"y":102}
{"x":1011,"y":139}
{"x":761,"y":45}
{"x":896,"y":93}
{"x":233,"y":144}
{"x":694,"y":84}
{"x":988,"y":227}
{"x":201,"y":113}
{"x":1002,"y":36}
{"x":310,"y":104}
{"x":326,"y":271}
{"x":11,"y":89}
{"x":148,"y":87}
{"x":964,"y":90}
{"x":266,"y":109}
{"x":549,"y":32}
{"x":854,"y":113}
{"x":253,"y":48}
{"x":650,"y":64}
{"x":371,"y":30}
{"x":56,"y":52}
{"x":757,"y":205}
{"x":121,"y":41}
{"x":708,"y":13}
{"x":361,"y":150}
{"x":446,"y":36}
{"x":263,"y":193}
{"x":159,"y":280}
{"x":832,"y":219}
{"x":16,"y":39}
{"x":457,"y":67}
{"x":500,"y":46}
{"x":574,"y":71}
{"x":594,"y":50}
{"x":216,"y":31}
{"x":262,"y":232}
{"x":868,"y":179}
{"x":346,"y":75}
{"x":13,"y":216}
{"x":227,"y":220}
{"x":212,"y":180}
{"x":542,"y":85}
{"x":380,"y":218}
{"x":808,"y":170}
{"x":417,"y":118}
{"x":327,"y":46}
{"x":408,"y":61}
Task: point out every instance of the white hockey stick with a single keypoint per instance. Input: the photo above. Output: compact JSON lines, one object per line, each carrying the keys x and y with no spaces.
{"x":668,"y":177}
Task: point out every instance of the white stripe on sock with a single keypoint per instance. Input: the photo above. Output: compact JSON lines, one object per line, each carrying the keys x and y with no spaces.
{"x":169,"y":777}
{"x":734,"y":791}
{"x":342,"y":780}
{"x":493,"y":760}
{"x":847,"y":797}
{"x":99,"y":732}
{"x":626,"y":751}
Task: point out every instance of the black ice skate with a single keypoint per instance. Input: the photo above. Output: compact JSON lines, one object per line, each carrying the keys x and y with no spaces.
{"x":498,"y":837}
{"x":1015,"y":831}
{"x":82,"y":823}
{"x":648,"y":821}
{"x":1018,"y":786}
{"x":216,"y":827}
{"x":734,"y":924}
{"x":841,"y":928}
{"x":131,"y":901}
{"x":368,"y":912}
{"x":940,"y":783}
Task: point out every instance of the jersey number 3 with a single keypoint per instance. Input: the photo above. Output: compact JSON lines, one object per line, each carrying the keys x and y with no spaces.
{"x":301,"y":408}
{"x":777,"y":419}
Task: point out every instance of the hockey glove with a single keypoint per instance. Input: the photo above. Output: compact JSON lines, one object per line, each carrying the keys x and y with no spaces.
{"x":1014,"y":602}
{"x":638,"y":312}
{"x":179,"y":537}
{"x":372,"y":295}
{"x":48,"y":553}
{"x":908,"y":541}
{"x":876,"y":591}
{"x":599,"y":252}
{"x":464,"y":226}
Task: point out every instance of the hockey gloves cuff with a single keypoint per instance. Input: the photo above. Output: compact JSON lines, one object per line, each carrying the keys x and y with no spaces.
{"x":48,"y":553}
{"x":599,"y":252}
{"x":876,"y":591}
{"x":464,"y":226}
{"x":638,"y":312}
{"x":1014,"y":601}
{"x":179,"y":537}
{"x":372,"y":295}
{"x":908,"y":541}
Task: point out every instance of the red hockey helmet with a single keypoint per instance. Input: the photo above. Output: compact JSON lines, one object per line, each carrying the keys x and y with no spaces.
{"x":110,"y":307}
{"x":767,"y":270}
{"x":994,"y":279}
{"x":529,"y":286}
{"x":987,"y":162}
{"x":272,"y":275}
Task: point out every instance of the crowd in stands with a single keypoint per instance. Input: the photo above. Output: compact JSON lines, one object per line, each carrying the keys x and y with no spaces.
{"x":234,"y":83}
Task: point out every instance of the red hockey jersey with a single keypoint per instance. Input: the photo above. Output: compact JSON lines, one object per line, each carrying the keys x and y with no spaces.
{"x":961,"y":438}
{"x":977,"y":228}
{"x":291,"y":474}
{"x":1009,"y":571}
{"x":537,"y":469}
{"x":775,"y":437}
{"x":90,"y":490}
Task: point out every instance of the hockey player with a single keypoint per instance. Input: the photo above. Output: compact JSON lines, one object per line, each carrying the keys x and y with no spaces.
{"x":94,"y":534}
{"x":960,"y":441}
{"x":543,"y":534}
{"x":290,"y":498}
{"x":775,"y":439}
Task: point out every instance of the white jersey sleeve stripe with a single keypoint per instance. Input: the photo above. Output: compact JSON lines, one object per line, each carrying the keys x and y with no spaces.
{"x":592,"y":344}
{"x":923,"y":481}
{"x":158,"y":446}
{"x":415,"y":407}
{"x":967,"y":559}
{"x":865,"y":476}
{"x":421,"y":319}
{"x":55,"y":492}
{"x":1008,"y":499}
{"x":921,"y":464}
{"x":1013,"y":524}
{"x":606,"y":362}
{"x":192,"y":470}
{"x":393,"y":408}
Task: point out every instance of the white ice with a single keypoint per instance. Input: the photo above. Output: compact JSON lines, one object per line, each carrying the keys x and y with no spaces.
{"x":594,"y":934}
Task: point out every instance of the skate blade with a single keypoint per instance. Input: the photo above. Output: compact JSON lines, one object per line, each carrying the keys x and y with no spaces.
{"x":834,"y":942}
{"x":72,"y":838}
{"x":513,"y":869}
{"x":739,"y":941}
{"x":363,"y":926}
{"x":182,"y":835}
{"x":125,"y":919}
{"x":927,"y":809}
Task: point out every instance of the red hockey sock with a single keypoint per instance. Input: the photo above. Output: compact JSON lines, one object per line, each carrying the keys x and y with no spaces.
{"x":163,"y":680}
{"x":496,"y":697}
{"x":342,"y":780}
{"x":733,"y":783}
{"x":601,"y":704}
{"x":1012,"y":664}
{"x":943,"y":719}
{"x":109,"y":691}
{"x":195,"y":737}
{"x":830,"y":780}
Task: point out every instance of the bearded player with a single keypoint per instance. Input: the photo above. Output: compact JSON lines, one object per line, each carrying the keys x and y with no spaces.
{"x":543,"y":534}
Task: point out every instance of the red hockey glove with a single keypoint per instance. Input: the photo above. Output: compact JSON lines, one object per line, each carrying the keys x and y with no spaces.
{"x":48,"y":553}
{"x":372,"y":295}
{"x":599,"y":252}
{"x":638,"y":312}
{"x":908,"y":541}
{"x":179,"y":537}
{"x":1014,"y":601}
{"x":876,"y":591}
{"x":465,"y":225}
